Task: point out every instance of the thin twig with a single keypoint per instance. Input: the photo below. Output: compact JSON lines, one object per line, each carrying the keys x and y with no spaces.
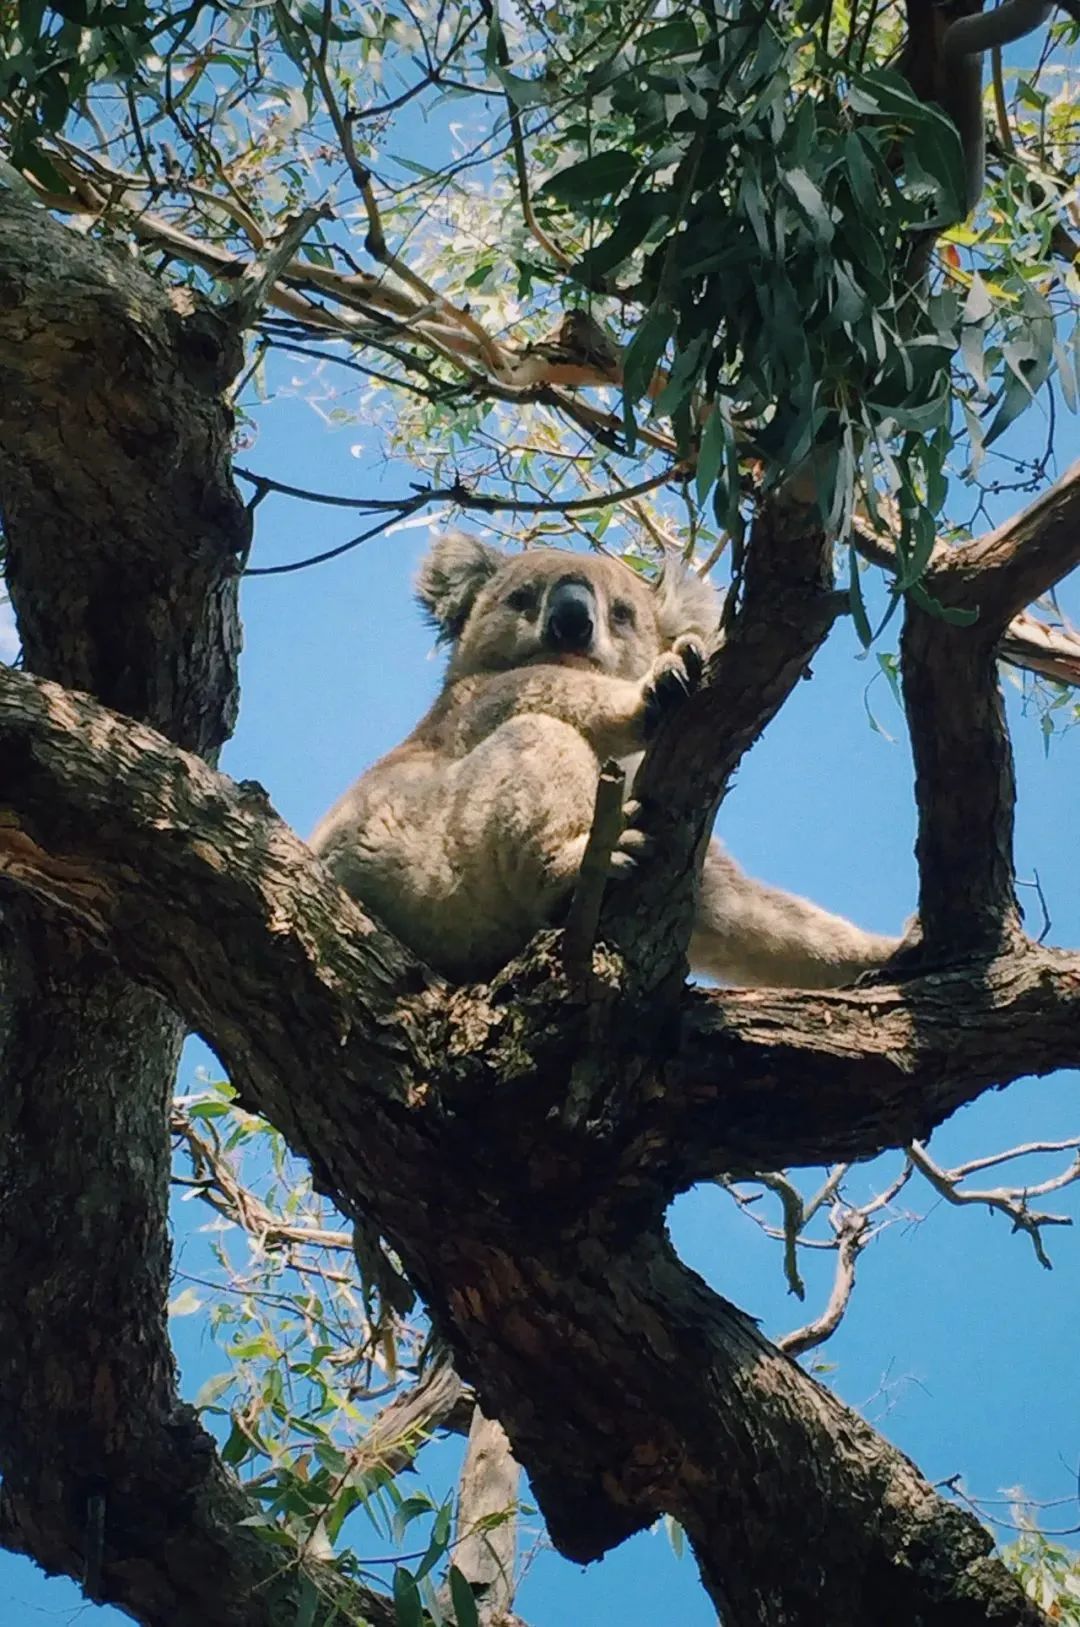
{"x":1011,"y":1202}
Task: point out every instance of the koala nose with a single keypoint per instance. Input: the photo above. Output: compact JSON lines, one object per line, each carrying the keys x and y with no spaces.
{"x":570,"y":611}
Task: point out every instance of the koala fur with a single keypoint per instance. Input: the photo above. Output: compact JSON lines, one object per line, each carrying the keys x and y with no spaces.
{"x":467,"y":838}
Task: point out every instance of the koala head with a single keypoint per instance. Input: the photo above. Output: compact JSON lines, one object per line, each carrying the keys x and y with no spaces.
{"x":499,"y":611}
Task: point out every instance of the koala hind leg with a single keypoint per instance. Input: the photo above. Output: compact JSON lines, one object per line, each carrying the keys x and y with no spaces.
{"x":752,"y":935}
{"x":531,"y":786}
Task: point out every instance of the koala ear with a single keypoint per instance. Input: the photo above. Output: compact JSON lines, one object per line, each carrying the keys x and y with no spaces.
{"x":685,"y":603}
{"x":451,"y":576}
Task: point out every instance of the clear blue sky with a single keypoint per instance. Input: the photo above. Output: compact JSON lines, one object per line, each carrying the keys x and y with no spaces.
{"x":957,"y":1343}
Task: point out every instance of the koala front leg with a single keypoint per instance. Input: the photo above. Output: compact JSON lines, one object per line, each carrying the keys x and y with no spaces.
{"x":751,"y":935}
{"x":624,"y":713}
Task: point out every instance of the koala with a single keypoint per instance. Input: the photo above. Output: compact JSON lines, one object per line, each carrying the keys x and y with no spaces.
{"x":467,"y":838}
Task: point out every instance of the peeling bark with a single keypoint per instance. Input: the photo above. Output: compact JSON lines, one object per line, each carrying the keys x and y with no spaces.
{"x":488,"y":1489}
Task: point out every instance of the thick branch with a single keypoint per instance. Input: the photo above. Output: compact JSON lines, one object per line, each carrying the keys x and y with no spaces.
{"x":786,"y":610}
{"x":486,"y":1546}
{"x":767,"y":1078}
{"x":124,"y":531}
{"x":197,"y":889}
{"x":1006,"y":570}
{"x":576,"y":1334}
{"x":965,"y":787}
{"x":123,"y":536}
{"x":964,"y":782}
{"x":798,"y":1511}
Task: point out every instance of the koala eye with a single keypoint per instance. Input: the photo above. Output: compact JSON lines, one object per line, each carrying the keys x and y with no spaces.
{"x":521,"y":599}
{"x":622,"y":614}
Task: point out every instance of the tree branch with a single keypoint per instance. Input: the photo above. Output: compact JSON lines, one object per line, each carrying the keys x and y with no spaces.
{"x":196,"y":888}
{"x":965,"y":788}
{"x":123,"y":536}
{"x":626,"y":1388}
{"x":1006,"y":570}
{"x":785,"y":611}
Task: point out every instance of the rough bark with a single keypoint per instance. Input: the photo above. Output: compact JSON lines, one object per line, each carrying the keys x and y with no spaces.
{"x":964,"y":782}
{"x":626,"y":1387}
{"x":786,"y":606}
{"x":123,"y":536}
{"x":964,"y":786}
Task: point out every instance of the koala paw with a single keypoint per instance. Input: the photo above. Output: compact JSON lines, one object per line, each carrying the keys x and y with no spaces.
{"x":632,"y":846}
{"x":675,"y":675}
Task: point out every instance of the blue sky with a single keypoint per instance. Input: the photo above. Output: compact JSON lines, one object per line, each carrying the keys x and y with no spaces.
{"x":957,"y":1344}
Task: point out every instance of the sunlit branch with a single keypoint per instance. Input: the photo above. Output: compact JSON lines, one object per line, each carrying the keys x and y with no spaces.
{"x":850,"y":1226}
{"x":1011,"y":1201}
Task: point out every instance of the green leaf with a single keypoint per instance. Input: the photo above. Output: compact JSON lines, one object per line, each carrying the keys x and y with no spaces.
{"x":860,"y":172}
{"x":463,"y":1600}
{"x":307,"y":1603}
{"x":408,"y":1610}
{"x":327,"y":27}
{"x":637,"y":216}
{"x":213,"y":1390}
{"x":676,"y":1536}
{"x":956,"y":615}
{"x":685,"y":370}
{"x":331,"y":1458}
{"x":890,"y":666}
{"x":645,"y":350}
{"x":934,"y":145}
{"x":209,"y":1110}
{"x":856,"y":601}
{"x":677,"y":38}
{"x":527,"y":92}
{"x":884,"y":93}
{"x":1068,"y":376}
{"x":186,"y":1303}
{"x":812,"y":204}
{"x":236,"y":1448}
{"x":412,"y":1508}
{"x":978,"y":305}
{"x":712,"y":451}
{"x":592,"y":178}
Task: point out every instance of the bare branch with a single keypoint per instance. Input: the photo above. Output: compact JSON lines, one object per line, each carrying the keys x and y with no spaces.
{"x":579,"y":936}
{"x":850,"y":1226}
{"x":1027,"y":1149}
{"x":1052,"y":649}
{"x":1010,"y":1201}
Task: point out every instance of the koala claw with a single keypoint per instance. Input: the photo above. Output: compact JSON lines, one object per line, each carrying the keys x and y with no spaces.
{"x":692,"y":655}
{"x":674,"y":676}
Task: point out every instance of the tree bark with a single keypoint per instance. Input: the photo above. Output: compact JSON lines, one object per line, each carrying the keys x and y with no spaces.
{"x":627,"y":1388}
{"x":123,"y":536}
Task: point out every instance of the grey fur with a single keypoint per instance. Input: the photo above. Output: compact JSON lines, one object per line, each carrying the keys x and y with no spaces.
{"x":467,"y":838}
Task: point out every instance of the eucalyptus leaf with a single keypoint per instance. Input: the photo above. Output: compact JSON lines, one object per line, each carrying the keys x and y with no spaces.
{"x":408,"y":1609}
{"x":592,"y":178}
{"x":645,"y":350}
{"x":463,"y":1600}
